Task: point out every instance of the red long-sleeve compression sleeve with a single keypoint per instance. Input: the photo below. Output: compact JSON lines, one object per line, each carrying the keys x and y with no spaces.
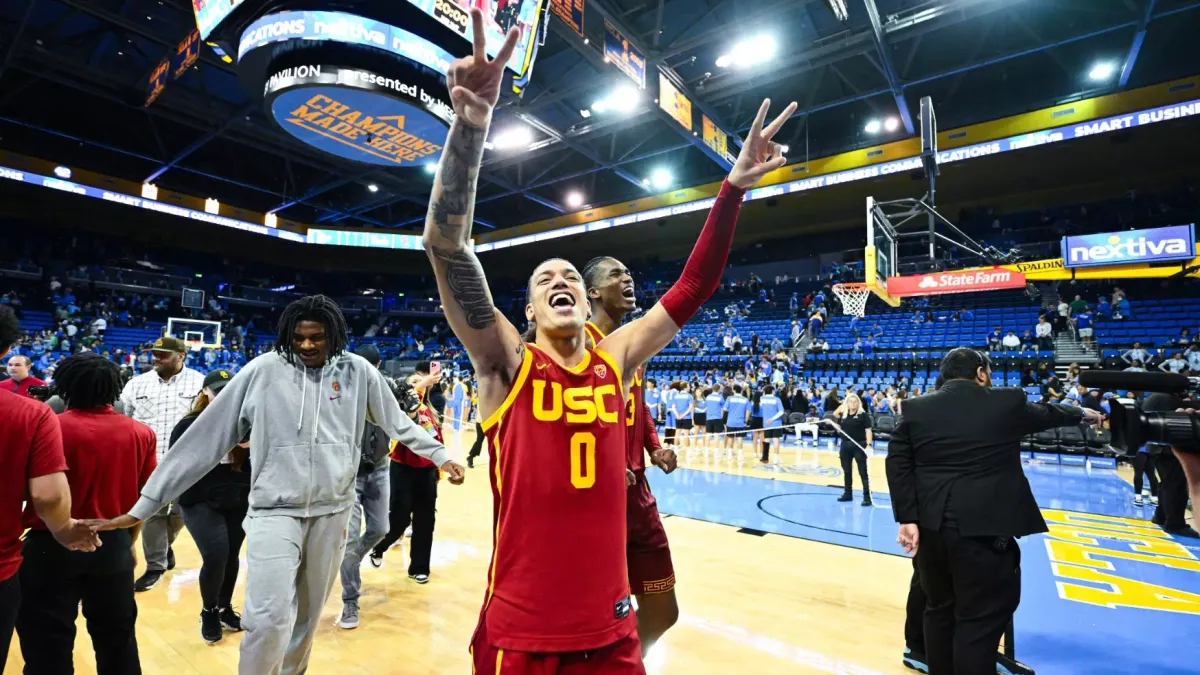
{"x":702,"y":274}
{"x":650,"y":442}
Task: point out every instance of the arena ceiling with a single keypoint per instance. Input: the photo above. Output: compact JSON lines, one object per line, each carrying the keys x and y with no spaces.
{"x":73,"y":74}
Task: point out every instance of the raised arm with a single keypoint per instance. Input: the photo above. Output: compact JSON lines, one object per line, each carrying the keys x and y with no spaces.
{"x":635,"y":342}
{"x":491,"y":341}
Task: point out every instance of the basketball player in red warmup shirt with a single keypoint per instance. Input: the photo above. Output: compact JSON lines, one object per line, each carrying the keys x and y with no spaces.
{"x":558,"y":591}
{"x":611,"y":295}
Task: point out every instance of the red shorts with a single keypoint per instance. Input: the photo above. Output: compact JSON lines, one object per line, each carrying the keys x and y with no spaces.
{"x":623,"y":657}
{"x":648,"y":554}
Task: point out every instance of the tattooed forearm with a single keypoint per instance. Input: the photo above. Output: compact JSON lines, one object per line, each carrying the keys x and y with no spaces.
{"x":467,"y":285}
{"x":453,"y":202}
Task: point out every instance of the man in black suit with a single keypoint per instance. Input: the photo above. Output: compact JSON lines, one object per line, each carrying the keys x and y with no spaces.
{"x":961,"y":498}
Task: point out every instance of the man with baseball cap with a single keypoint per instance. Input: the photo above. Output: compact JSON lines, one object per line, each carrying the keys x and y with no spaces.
{"x":160,"y":398}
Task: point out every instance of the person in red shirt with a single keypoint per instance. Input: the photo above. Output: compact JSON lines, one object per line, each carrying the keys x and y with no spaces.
{"x":558,"y":586}
{"x":109,"y":458}
{"x":414,"y":482}
{"x":20,"y":375}
{"x":33,"y":469}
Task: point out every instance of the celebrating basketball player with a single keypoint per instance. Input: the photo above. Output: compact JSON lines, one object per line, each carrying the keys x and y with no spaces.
{"x":558,"y":588}
{"x":611,"y":295}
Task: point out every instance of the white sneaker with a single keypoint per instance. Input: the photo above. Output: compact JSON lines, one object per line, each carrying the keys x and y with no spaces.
{"x":1137,"y":500}
{"x":419,"y":578}
{"x":1154,"y":501}
{"x":408,"y":531}
{"x":349,"y":617}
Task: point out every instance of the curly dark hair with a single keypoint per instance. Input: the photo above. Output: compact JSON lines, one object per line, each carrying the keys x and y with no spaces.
{"x":10,"y":328}
{"x":88,"y":380}
{"x":321,"y":309}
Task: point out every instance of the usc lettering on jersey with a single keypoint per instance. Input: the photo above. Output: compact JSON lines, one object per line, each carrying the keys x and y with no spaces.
{"x":635,"y":429}
{"x":558,"y":580}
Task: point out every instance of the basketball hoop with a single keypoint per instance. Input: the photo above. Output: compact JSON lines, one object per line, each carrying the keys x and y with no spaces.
{"x":195,"y":345}
{"x":854,"y":298}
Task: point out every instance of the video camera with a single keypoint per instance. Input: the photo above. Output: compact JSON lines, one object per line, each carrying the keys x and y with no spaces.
{"x":1134,"y":424}
{"x":42,"y":392}
{"x":406,"y":396}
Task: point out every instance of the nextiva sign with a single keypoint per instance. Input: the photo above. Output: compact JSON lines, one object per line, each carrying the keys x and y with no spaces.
{"x":1177,"y":242}
{"x":360,"y":115}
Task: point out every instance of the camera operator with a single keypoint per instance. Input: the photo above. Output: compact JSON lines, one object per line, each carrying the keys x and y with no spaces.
{"x":961,"y":497}
{"x":1173,"y":481}
{"x":1191,"y":469}
{"x":20,"y":373}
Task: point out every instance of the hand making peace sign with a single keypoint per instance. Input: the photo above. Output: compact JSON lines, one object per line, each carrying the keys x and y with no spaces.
{"x":759,"y":155}
{"x":474,"y":81}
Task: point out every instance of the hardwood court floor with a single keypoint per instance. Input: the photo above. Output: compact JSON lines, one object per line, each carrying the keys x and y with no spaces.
{"x":750,"y":604}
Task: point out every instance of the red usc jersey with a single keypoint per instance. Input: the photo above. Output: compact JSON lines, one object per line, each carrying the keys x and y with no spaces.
{"x":635,"y":423}
{"x":558,"y":580}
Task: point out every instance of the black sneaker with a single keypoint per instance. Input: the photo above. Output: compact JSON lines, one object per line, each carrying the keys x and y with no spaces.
{"x":915,"y":661}
{"x":470,"y":462}
{"x":170,"y":558}
{"x":419,"y":578}
{"x":846,"y":497}
{"x":866,"y":500}
{"x":147,"y":581}
{"x":210,"y":625}
{"x":376,"y":559}
{"x":1185,"y":531}
{"x":231,"y":620}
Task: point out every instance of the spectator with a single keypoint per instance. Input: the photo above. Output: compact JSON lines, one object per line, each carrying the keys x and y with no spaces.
{"x":1185,"y":338}
{"x":1193,"y":358}
{"x":1052,"y":391}
{"x":994,"y":339}
{"x":815,"y":323}
{"x":1028,"y":343}
{"x":1083,"y":324}
{"x":1175,"y":364}
{"x":876,"y":331}
{"x":737,"y":343}
{"x":160,"y":398}
{"x":1136,"y":354}
{"x":1103,"y":309}
{"x":20,"y":376}
{"x":727,"y":342}
{"x":1077,"y":305}
{"x":1122,"y":310}
{"x":1011,"y":342}
{"x":1136,"y":367}
{"x":1044,"y":331}
{"x":795,"y":333}
{"x":1060,"y":320}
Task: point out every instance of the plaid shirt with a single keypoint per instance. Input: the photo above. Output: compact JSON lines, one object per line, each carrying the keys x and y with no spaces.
{"x":160,"y":405}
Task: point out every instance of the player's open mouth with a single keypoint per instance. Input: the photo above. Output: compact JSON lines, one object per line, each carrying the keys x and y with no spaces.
{"x":562,"y":301}
{"x":629,"y":293}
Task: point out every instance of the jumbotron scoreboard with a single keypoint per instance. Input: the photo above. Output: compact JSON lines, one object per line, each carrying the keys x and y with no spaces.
{"x":364,"y":80}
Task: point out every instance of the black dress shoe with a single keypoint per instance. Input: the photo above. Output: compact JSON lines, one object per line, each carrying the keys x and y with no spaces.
{"x":846,"y":497}
{"x":170,"y":558}
{"x":1185,"y":531}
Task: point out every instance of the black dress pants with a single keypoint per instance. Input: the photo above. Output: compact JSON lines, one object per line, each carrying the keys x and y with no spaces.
{"x":54,"y":581}
{"x":413,"y":500}
{"x":851,"y":455}
{"x":218,"y":534}
{"x":973,"y":587}
{"x":1172,"y":493}
{"x":1144,"y":465}
{"x":914,"y":613}
{"x":10,"y":602}
{"x":477,"y":446}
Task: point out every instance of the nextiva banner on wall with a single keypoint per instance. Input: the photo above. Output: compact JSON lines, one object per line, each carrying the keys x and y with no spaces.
{"x":1162,"y":244}
{"x":360,"y":115}
{"x":344,"y":28}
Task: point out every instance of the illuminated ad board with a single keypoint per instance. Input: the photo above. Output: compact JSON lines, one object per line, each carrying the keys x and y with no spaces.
{"x":498,"y":18}
{"x":147,"y":204}
{"x":570,"y":12}
{"x":360,"y":115}
{"x":1161,"y":244}
{"x":384,"y":240}
{"x":623,"y":55}
{"x":209,"y":13}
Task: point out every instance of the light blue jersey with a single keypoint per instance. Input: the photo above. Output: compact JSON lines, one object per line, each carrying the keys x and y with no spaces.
{"x":772,"y":411}
{"x":736,"y":406}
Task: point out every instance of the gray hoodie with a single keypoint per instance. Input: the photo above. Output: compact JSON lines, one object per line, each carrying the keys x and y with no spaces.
{"x":305,"y":425}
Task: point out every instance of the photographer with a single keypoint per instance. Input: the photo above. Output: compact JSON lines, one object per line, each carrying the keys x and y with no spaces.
{"x":1177,"y":471}
{"x":961,"y":497}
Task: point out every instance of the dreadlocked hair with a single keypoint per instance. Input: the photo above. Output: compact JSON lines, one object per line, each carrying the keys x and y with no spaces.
{"x":591,"y":270}
{"x":317,"y":308}
{"x":88,"y":380}
{"x":10,"y":328}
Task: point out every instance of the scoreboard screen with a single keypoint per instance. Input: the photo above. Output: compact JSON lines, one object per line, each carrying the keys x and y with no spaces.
{"x":498,"y":17}
{"x":209,"y":13}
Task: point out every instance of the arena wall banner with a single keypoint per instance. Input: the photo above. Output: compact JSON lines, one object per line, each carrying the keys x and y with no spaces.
{"x":571,"y":13}
{"x":624,"y":56}
{"x":1162,"y":244}
{"x":678,"y":106}
{"x":961,"y":281}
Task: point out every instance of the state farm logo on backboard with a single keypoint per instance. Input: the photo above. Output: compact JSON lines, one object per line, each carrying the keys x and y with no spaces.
{"x":991,"y":279}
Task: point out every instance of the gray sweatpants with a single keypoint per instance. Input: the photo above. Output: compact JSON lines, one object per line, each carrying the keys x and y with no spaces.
{"x":158,"y":533}
{"x":373,"y":496}
{"x":290,"y":565}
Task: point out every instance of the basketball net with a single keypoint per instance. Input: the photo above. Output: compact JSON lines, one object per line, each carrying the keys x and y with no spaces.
{"x":853,"y":297}
{"x":195,"y":345}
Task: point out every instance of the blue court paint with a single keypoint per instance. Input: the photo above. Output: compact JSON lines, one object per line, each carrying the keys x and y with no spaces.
{"x":1104,"y":592}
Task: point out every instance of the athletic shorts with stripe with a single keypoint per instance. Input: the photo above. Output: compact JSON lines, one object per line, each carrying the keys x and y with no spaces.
{"x":623,"y":657}
{"x":647,"y":550}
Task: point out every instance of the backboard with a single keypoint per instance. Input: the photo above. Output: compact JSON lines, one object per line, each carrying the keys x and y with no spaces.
{"x":880,"y":254}
{"x":207,"y":333}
